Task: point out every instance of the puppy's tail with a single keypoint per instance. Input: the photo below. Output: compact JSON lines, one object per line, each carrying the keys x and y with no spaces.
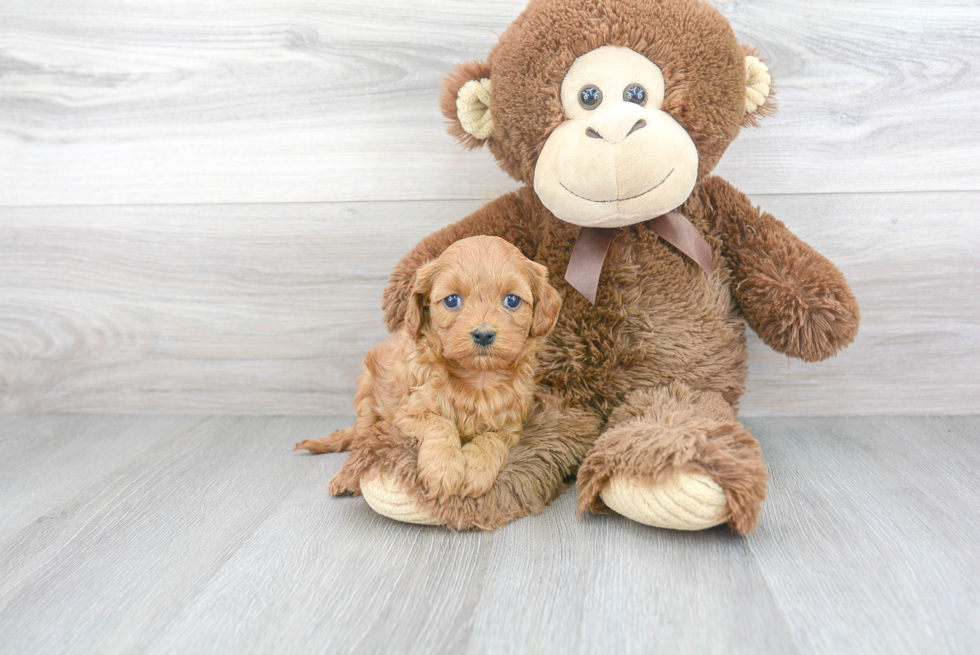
{"x":332,"y":443}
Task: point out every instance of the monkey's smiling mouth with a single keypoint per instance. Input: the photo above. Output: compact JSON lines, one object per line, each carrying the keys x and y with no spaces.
{"x":617,"y":199}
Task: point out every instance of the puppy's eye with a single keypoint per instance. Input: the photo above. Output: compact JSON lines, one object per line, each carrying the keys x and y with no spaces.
{"x":590,"y":96}
{"x":635,"y":93}
{"x":512,"y":302}
{"x":452,"y":302}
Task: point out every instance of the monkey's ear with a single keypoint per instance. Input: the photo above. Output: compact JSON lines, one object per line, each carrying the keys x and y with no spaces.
{"x":465,"y":102}
{"x":758,"y":89}
{"x":415,"y":313}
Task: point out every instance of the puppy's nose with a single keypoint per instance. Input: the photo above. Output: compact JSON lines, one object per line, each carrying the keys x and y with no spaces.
{"x":483,"y":336}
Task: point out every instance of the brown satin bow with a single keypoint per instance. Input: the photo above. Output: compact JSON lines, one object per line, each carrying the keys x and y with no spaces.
{"x":590,"y":249}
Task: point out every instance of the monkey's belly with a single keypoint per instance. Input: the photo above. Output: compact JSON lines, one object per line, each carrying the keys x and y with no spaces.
{"x":647,"y":335}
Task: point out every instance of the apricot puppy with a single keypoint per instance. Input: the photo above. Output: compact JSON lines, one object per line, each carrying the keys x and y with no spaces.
{"x":458,"y":376}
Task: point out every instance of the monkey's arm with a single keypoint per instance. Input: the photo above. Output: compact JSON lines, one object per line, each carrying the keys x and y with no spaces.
{"x":500,"y":218}
{"x":794,"y":298}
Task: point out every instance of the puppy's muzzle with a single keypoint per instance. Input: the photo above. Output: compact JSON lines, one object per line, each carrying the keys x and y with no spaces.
{"x":483,"y":336}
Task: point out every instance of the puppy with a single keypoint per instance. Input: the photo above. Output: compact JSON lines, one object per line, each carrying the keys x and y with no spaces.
{"x":459,"y":374}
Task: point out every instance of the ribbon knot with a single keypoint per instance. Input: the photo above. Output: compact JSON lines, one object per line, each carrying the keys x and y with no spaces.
{"x":590,"y":249}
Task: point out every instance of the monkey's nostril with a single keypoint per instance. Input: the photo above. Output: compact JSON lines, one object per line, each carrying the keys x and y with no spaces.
{"x":483,"y":337}
{"x":640,"y":124}
{"x":589,"y":132}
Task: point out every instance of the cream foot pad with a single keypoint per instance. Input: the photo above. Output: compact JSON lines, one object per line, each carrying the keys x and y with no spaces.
{"x":388,"y":499}
{"x":688,"y":501}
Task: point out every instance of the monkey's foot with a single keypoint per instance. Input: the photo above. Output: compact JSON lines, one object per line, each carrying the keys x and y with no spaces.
{"x":686,"y":501}
{"x":674,"y":457}
{"x":388,"y":498}
{"x":556,"y":437}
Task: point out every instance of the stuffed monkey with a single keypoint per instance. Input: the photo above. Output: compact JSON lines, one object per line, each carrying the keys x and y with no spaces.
{"x":613,"y":113}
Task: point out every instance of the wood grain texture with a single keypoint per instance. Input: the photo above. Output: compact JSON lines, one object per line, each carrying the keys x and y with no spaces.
{"x":76,"y":451}
{"x":218,"y":539}
{"x":607,"y":584}
{"x":297,"y":101}
{"x":268,"y":309}
{"x":874,"y":522}
{"x":146,"y":536}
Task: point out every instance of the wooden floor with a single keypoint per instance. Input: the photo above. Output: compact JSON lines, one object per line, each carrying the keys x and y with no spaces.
{"x":197,"y":534}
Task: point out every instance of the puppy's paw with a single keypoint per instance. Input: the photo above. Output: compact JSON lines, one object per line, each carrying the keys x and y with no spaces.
{"x":476,"y":486}
{"x":480,"y":472}
{"x":441,"y":471}
{"x":341,"y":485}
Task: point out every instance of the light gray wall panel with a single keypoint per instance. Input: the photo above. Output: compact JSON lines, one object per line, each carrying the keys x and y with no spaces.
{"x":116,"y":102}
{"x":270,"y":308}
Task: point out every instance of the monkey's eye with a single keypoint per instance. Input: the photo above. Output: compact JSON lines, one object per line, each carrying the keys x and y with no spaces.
{"x":635,"y":93}
{"x":512,"y":302}
{"x":452,"y":302}
{"x":590,"y":96}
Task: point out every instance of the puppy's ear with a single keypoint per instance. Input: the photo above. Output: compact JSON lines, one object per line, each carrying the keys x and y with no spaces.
{"x":547,"y":302}
{"x":416,"y":315}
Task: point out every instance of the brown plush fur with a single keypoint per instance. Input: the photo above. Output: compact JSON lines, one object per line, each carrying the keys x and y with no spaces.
{"x":463,"y":402}
{"x":538,"y":470}
{"x":658,"y":364}
{"x":656,"y":433}
{"x":795,"y":299}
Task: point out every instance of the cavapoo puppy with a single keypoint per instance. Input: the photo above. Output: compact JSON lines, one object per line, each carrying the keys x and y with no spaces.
{"x":459,"y":374}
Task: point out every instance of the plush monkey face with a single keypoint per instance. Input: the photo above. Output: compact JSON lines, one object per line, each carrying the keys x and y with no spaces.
{"x":618,"y":158}
{"x":612,"y":109}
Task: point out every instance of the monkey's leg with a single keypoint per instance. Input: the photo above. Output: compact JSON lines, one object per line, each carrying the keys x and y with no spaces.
{"x":538,"y":470}
{"x":675,"y":458}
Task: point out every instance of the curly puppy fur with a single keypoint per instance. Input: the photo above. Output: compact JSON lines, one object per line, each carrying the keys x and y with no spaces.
{"x":539,"y":468}
{"x":438,"y":380}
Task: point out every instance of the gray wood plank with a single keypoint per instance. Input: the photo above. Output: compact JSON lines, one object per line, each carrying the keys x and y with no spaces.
{"x":869,"y":539}
{"x":328,"y":575}
{"x":78,"y":452}
{"x":115,"y":562}
{"x":146,"y":307}
{"x":548,"y":584}
{"x":567,"y":584}
{"x":293,"y":100}
{"x":268,"y":309}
